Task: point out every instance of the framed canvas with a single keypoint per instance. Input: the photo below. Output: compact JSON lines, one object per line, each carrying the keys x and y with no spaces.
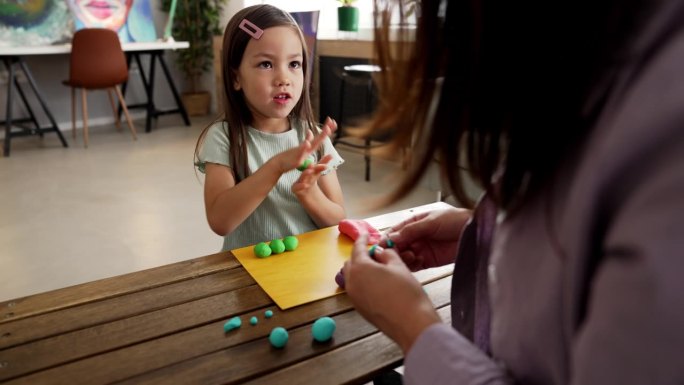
{"x":131,"y":19}
{"x":34,"y":22}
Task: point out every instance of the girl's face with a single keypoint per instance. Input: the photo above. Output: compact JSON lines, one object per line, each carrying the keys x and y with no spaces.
{"x":271,"y":77}
{"x":109,"y":14}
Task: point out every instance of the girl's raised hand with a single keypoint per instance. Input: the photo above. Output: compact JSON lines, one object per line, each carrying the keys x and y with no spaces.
{"x":310,"y":176}
{"x":290,"y":159}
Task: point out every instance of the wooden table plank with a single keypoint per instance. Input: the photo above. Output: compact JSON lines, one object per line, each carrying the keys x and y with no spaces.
{"x":248,"y":360}
{"x":82,"y":343}
{"x":128,"y":305}
{"x":343,"y":365}
{"x":123,"y":363}
{"x":111,"y":287}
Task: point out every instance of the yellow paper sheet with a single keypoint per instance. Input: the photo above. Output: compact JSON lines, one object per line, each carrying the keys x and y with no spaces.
{"x":303,"y":275}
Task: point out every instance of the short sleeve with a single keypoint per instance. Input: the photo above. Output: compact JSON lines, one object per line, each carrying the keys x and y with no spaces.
{"x":215,"y":147}
{"x":336,"y":161}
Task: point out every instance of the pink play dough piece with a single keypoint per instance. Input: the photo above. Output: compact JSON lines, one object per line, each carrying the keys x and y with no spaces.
{"x":354,"y":227}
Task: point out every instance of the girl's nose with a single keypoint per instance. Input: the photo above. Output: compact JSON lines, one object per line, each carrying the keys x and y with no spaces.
{"x":282,"y":81}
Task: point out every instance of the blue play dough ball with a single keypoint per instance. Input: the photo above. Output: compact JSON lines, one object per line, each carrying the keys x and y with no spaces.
{"x":278,"y":337}
{"x":323,"y":329}
{"x":233,"y":323}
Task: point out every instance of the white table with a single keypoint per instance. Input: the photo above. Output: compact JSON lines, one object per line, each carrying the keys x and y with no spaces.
{"x":12,"y":56}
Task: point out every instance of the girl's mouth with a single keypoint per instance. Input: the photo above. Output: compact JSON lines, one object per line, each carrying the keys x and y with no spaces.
{"x":282,"y":98}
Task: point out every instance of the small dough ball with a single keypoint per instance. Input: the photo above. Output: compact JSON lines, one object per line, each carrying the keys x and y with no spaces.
{"x":323,"y":329}
{"x":262,"y":250}
{"x":278,"y":337}
{"x":253,"y":321}
{"x":268,"y":313}
{"x":305,"y":164}
{"x":232,"y":323}
{"x":277,"y":246}
{"x":291,"y":242}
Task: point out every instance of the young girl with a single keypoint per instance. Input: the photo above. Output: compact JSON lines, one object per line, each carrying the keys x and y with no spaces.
{"x":253,"y":190}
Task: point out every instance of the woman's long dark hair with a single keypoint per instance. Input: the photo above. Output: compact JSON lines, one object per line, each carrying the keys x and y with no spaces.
{"x":517,"y":85}
{"x":235,"y":110}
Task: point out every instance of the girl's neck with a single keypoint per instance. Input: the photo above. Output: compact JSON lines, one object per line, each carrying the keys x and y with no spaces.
{"x":272,"y":126}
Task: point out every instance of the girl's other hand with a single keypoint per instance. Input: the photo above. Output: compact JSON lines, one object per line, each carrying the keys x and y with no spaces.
{"x":291,"y":159}
{"x":310,"y":176}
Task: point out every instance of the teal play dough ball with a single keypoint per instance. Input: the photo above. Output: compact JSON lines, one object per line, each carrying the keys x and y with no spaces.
{"x":323,"y":329}
{"x":291,"y":242}
{"x":277,"y":246}
{"x":262,"y":250}
{"x":278,"y":337}
{"x":304,"y":165}
{"x":232,"y":323}
{"x":268,"y":313}
{"x":253,"y":320}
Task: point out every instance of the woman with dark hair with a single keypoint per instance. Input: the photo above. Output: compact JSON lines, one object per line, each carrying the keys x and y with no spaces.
{"x":569,"y":116}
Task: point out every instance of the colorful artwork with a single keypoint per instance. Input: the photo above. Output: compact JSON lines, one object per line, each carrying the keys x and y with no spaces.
{"x":132,"y":19}
{"x":34,"y":22}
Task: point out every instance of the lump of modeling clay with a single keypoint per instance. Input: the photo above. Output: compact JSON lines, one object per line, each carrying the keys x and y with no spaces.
{"x":262,"y":250}
{"x":232,"y":323}
{"x":305,"y":164}
{"x":323,"y":329}
{"x":354,"y":227}
{"x":277,"y":246}
{"x":339,"y":279}
{"x":268,"y":313}
{"x":278,"y":337}
{"x":253,"y":321}
{"x":291,"y":242}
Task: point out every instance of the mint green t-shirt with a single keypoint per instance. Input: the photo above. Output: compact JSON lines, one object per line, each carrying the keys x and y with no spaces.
{"x":280,"y":214}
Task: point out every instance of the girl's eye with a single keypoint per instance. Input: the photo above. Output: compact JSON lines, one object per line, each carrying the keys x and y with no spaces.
{"x":265,"y":64}
{"x":296,"y":64}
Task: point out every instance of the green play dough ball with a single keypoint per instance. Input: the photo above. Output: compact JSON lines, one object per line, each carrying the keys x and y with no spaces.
{"x":262,"y":250}
{"x":278,"y":337}
{"x":304,"y":165}
{"x":277,"y":246}
{"x":233,"y":323}
{"x":291,"y":242}
{"x":323,"y":329}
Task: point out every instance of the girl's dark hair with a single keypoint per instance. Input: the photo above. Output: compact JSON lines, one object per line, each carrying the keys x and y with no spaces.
{"x":235,"y":110}
{"x":502,"y":85}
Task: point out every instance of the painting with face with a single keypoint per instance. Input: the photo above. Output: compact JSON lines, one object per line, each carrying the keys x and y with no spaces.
{"x":34,"y":22}
{"x":131,"y":19}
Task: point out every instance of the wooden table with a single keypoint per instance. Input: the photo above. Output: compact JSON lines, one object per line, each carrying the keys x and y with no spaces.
{"x":165,"y":325}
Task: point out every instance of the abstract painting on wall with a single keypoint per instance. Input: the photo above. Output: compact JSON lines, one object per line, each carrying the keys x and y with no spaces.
{"x":34,"y":22}
{"x":45,"y":22}
{"x":132,"y":19}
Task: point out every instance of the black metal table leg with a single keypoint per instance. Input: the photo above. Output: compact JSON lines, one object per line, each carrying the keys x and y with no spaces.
{"x":33,"y":85}
{"x":181,"y":107}
{"x":8,"y":119}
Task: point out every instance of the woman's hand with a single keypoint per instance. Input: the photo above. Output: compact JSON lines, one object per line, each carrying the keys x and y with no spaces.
{"x":428,"y":239}
{"x":385,"y":293}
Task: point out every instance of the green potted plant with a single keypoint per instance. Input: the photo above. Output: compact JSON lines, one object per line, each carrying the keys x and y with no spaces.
{"x":195,"y":21}
{"x":347,"y":16}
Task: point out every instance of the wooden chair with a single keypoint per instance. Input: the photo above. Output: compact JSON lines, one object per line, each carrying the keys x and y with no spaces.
{"x":97,"y":62}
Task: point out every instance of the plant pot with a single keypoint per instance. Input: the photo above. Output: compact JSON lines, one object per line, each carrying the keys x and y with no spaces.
{"x":348,"y":19}
{"x":196,"y":103}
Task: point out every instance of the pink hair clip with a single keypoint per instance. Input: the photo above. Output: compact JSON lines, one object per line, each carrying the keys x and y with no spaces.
{"x":251,"y":29}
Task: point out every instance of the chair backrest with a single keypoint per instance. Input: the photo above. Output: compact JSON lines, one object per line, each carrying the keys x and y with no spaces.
{"x":308,"y":23}
{"x":97,"y":60}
